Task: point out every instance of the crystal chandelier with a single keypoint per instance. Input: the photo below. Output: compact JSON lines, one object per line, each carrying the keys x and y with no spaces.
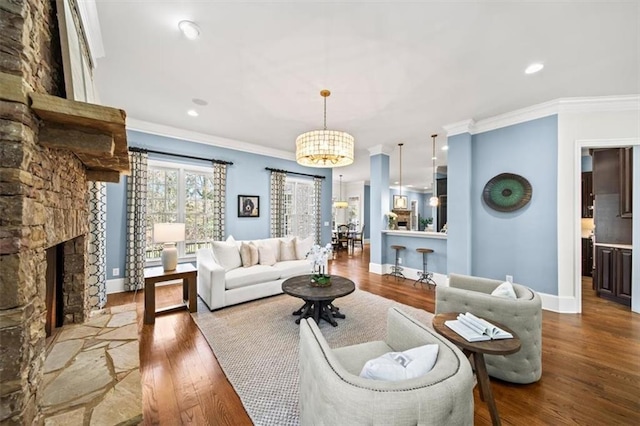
{"x":433,"y":201}
{"x":324,"y":148}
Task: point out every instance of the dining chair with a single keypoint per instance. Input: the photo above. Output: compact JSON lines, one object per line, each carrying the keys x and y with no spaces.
{"x":357,"y":238}
{"x":343,"y":236}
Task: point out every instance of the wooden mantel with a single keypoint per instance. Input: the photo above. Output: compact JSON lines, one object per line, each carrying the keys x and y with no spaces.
{"x":96,"y":134}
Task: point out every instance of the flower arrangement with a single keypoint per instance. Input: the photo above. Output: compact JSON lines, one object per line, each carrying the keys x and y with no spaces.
{"x":393,"y":220}
{"x":318,"y":257}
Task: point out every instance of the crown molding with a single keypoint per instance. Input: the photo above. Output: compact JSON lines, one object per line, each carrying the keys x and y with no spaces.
{"x":545,"y":109}
{"x":188,"y":135}
{"x":464,"y":126}
{"x":600,"y":104}
{"x":517,"y":116}
{"x":380,"y":149}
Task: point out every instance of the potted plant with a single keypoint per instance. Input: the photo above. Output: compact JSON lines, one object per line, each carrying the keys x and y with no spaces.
{"x":427,"y":223}
{"x":393,"y":220}
{"x":318,"y":256}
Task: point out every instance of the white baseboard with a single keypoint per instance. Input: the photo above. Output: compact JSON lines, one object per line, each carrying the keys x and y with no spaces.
{"x":115,"y":286}
{"x":550,"y":302}
{"x":560,"y":304}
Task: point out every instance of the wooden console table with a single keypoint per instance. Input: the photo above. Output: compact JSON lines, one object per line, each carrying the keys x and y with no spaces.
{"x":186,"y":272}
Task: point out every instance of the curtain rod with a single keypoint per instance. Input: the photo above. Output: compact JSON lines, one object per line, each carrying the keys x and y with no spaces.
{"x":294,"y":173}
{"x":213,"y":160}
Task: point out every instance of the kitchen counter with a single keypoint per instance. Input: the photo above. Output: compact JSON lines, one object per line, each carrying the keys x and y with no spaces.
{"x":411,"y":260}
{"x":622,"y":246}
{"x":416,"y":234}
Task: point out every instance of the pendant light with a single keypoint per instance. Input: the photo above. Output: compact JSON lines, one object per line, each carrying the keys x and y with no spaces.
{"x":340,"y":204}
{"x":433,"y":201}
{"x":324,"y":148}
{"x":399,"y":202}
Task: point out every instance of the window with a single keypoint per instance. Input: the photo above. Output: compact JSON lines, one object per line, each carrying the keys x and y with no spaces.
{"x":184,"y":194}
{"x":299,"y":207}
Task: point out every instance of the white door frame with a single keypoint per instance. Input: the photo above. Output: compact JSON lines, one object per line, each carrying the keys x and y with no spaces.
{"x":577,"y":247}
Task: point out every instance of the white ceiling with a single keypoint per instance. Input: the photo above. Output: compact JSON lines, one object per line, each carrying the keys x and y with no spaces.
{"x":398,"y":71}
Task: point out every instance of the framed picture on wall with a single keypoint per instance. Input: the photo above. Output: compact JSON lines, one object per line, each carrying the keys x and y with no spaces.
{"x":248,"y":206}
{"x":400,"y":202}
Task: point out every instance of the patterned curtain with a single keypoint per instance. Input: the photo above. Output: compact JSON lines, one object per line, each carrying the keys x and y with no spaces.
{"x":97,"y":270}
{"x":277,"y":204}
{"x":317,"y":208}
{"x":136,"y":222}
{"x":219,"y":203}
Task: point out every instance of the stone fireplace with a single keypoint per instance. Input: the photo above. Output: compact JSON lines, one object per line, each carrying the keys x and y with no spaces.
{"x":43,"y":197}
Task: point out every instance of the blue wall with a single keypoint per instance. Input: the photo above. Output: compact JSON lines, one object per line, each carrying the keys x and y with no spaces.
{"x":379,"y":200}
{"x":587,"y":163}
{"x":521,"y":243}
{"x":459,"y":204}
{"x":367,"y":211}
{"x":247,"y":176}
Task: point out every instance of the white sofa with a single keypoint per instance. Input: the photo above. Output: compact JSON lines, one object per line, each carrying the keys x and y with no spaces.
{"x":224,"y":279}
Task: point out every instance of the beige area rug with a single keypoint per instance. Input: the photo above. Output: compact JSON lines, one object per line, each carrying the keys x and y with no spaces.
{"x":256,"y":343}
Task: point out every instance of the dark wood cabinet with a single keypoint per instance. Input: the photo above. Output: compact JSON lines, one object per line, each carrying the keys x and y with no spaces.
{"x":606,"y":173}
{"x":626,"y":182}
{"x":587,"y":257}
{"x":587,"y":194}
{"x":442,"y":212}
{"x":441,"y":191}
{"x":613,"y":274}
{"x":611,"y":226}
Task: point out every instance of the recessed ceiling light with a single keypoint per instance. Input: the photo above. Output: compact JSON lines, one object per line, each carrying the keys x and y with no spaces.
{"x":445,"y":148}
{"x":534,"y":68}
{"x":189,"y":29}
{"x":434,"y":158}
{"x":193,"y":113}
{"x":396,"y":182}
{"x":200,"y":102}
{"x":409,"y":186}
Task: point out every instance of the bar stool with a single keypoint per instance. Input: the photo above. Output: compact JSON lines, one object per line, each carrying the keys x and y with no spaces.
{"x":396,"y":269}
{"x":425,"y":276}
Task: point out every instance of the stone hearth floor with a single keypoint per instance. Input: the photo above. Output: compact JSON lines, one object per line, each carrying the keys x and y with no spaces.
{"x":92,"y":372}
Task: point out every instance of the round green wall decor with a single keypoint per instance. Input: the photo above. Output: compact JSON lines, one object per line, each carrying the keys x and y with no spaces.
{"x":507,"y":192}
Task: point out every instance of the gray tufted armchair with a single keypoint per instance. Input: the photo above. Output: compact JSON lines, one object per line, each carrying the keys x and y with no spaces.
{"x":333,"y":393}
{"x":523,"y":315}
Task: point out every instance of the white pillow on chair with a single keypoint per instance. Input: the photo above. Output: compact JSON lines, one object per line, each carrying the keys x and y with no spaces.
{"x":409,"y":364}
{"x":505,"y":290}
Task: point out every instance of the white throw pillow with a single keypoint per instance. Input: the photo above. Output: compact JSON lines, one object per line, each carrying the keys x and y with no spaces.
{"x":249,"y":254}
{"x":303,"y":246}
{"x":405,"y":365}
{"x":505,"y":290}
{"x":287,"y":250}
{"x":266,"y":254}
{"x":227,"y":255}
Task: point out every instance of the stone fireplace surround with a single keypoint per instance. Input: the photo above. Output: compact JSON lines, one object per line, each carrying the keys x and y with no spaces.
{"x":43,"y":200}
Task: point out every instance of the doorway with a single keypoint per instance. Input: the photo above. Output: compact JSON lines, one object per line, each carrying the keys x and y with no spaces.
{"x":635,"y":224}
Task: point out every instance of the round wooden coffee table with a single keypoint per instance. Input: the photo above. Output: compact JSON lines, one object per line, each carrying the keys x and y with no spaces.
{"x":318,"y":301}
{"x":478,"y":349}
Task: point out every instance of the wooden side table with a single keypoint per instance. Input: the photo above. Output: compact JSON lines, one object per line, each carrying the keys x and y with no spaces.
{"x":187,"y":272}
{"x":478,"y":349}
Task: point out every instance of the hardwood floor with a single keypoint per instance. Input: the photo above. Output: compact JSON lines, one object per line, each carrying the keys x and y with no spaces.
{"x":590,"y":375}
